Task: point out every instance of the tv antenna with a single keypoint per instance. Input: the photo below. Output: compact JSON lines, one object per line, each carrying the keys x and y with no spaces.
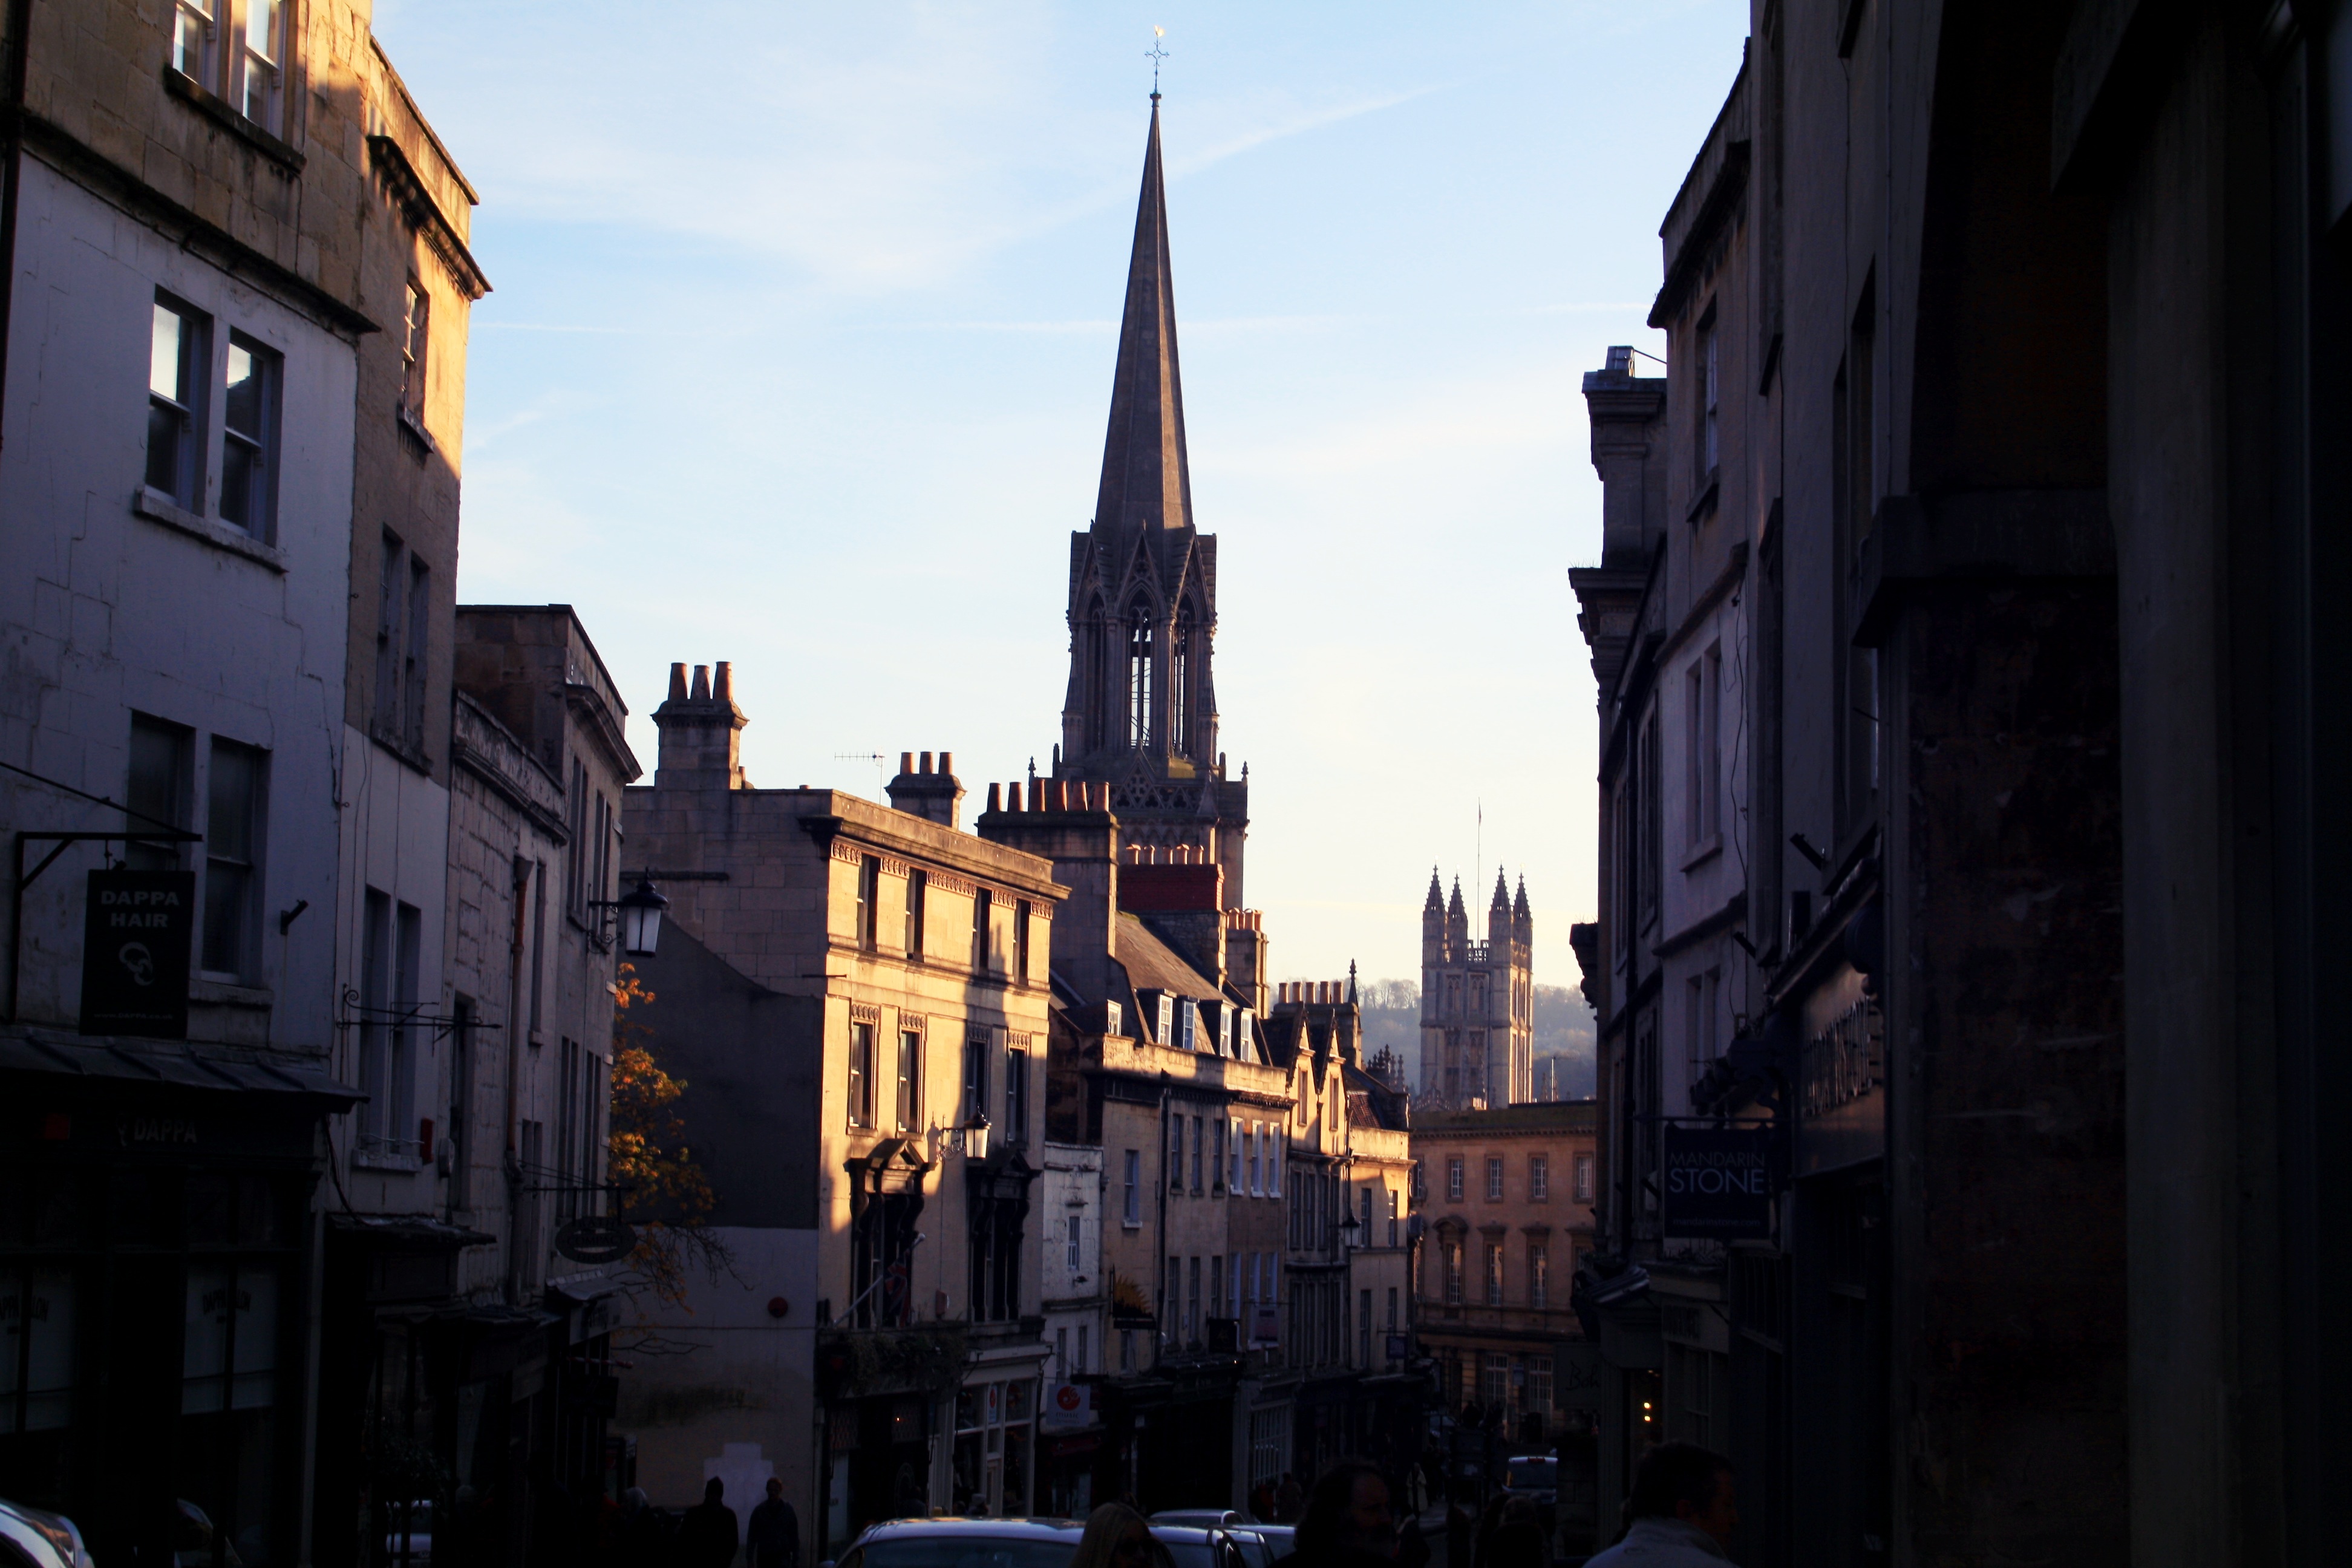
{"x":881,"y":767}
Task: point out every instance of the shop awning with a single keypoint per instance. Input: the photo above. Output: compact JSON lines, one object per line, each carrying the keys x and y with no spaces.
{"x":173,"y":1064}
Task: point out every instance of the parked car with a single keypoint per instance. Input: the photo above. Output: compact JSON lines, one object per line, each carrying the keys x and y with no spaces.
{"x":965,"y":1543}
{"x":1266,"y":1544}
{"x":1200,"y":1518}
{"x":1191,"y":1546}
{"x":31,"y":1537}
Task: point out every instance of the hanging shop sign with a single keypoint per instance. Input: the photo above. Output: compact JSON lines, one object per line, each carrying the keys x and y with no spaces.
{"x":1717,"y":1182}
{"x":134,"y":953}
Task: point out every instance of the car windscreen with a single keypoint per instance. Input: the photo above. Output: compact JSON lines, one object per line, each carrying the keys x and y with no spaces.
{"x":1532,"y":1473}
{"x":943,"y":1550}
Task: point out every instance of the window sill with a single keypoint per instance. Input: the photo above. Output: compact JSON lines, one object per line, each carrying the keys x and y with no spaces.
{"x":413,"y":426}
{"x":1706,"y":501}
{"x":229,"y":994}
{"x":156,"y":507}
{"x":221,"y":112}
{"x":1706,"y":849}
{"x":408,"y":754}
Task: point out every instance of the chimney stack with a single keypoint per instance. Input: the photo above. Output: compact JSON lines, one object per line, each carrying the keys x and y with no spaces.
{"x":932,"y":794}
{"x":701,"y":745}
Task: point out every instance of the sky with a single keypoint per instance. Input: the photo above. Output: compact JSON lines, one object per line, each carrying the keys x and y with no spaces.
{"x":798,"y":357}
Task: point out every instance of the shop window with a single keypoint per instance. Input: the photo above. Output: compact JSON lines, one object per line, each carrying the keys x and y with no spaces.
{"x":993,"y":1441}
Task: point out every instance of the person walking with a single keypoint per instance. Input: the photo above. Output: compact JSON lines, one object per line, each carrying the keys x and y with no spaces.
{"x":1119,"y":1537}
{"x":1348,"y":1521}
{"x":771,"y":1537}
{"x":1288,"y":1498}
{"x":708,"y":1537}
{"x":1682,"y":1512}
{"x":1518,"y":1540}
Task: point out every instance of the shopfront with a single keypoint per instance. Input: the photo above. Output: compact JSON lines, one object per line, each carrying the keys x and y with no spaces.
{"x":157,"y":1253}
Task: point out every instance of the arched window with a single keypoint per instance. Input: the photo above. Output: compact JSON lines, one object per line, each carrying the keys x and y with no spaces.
{"x":1138,"y":675}
{"x":1101,"y":706}
{"x":1180,"y":685}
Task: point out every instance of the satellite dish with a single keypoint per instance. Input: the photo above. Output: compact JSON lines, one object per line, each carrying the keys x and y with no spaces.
{"x":596,"y":1238}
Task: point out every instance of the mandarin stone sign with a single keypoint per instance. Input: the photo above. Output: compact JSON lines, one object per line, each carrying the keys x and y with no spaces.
{"x":1717,"y":1182}
{"x":134,"y":953}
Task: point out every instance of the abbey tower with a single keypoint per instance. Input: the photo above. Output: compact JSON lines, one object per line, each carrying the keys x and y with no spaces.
{"x":1477,"y":1001}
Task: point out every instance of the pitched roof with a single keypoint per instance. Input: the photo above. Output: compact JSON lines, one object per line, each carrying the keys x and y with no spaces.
{"x":1152,"y":965}
{"x":1145,"y":479}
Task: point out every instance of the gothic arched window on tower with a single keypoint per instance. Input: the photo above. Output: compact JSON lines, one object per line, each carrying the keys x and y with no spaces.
{"x":1138,"y":675}
{"x":1101,"y":685}
{"x":1180,"y":685}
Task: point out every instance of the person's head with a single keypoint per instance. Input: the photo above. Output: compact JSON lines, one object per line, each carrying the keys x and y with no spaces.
{"x":1347,"y":1511}
{"x":775,"y":1489}
{"x":713,"y":1490}
{"x":1118,"y":1537}
{"x":1684,"y":1481}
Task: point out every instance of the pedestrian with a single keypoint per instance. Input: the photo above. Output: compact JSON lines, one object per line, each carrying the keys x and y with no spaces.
{"x":1457,"y":1536}
{"x":640,"y":1540}
{"x":1119,"y":1537}
{"x":1412,"y":1547}
{"x":1490,"y":1519}
{"x":1519,"y":1542}
{"x":1348,"y":1522}
{"x":1681,"y":1514}
{"x":710,"y":1534}
{"x":1261,"y":1503}
{"x":771,"y":1537}
{"x":1288,"y":1498}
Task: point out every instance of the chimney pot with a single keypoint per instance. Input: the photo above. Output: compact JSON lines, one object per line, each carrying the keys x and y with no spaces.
{"x":701,"y":683}
{"x":927,"y":763}
{"x":995,"y":799}
{"x":722,"y":684}
{"x":906,"y":762}
{"x":1012,"y":795}
{"x":946,"y":761}
{"x":677,"y":683}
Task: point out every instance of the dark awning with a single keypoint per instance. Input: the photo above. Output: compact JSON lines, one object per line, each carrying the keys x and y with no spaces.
{"x":173,"y":1063}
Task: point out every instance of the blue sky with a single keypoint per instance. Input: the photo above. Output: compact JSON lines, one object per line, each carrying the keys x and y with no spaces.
{"x":800,"y":355}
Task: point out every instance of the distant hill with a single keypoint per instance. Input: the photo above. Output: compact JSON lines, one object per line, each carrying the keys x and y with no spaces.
{"x":1392,"y":1013}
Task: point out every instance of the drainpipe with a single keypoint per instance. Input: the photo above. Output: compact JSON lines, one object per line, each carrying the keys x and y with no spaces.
{"x":20,"y":49}
{"x":515,"y":1024}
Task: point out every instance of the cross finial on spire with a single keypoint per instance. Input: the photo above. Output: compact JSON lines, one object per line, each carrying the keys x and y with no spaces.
{"x":1155,"y":54}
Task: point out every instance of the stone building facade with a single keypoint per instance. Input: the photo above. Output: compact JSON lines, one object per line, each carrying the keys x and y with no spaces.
{"x":858,"y":998}
{"x":1477,"y":1001}
{"x":203,"y":220}
{"x":2000,"y":337}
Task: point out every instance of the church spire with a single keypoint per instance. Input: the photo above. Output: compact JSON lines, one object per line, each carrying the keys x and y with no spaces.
{"x":1145,"y":479}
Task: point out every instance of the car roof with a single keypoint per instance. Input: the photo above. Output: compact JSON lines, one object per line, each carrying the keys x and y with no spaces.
{"x":1186,"y":1515}
{"x":1016,"y":1529}
{"x":1186,"y":1532}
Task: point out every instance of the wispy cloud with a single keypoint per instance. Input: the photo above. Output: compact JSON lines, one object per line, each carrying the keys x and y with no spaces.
{"x":1297,"y":125}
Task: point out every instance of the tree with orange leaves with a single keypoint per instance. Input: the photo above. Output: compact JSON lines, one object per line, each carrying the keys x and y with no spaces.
{"x":664,"y":1194}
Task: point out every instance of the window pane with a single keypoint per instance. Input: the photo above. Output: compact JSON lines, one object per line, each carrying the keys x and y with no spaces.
{"x":261,"y":27}
{"x":165,"y":362}
{"x":240,"y":467}
{"x":204,"y":1345}
{"x":254,"y":1379}
{"x":244,"y":410}
{"x":228,"y":831}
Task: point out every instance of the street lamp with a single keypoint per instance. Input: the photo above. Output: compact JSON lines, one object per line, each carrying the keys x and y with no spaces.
{"x":641,"y":916}
{"x":973,"y":1136}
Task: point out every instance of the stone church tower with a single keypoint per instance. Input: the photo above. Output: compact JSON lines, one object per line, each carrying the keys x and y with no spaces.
{"x":1477,"y":1001}
{"x":1141,"y":709}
